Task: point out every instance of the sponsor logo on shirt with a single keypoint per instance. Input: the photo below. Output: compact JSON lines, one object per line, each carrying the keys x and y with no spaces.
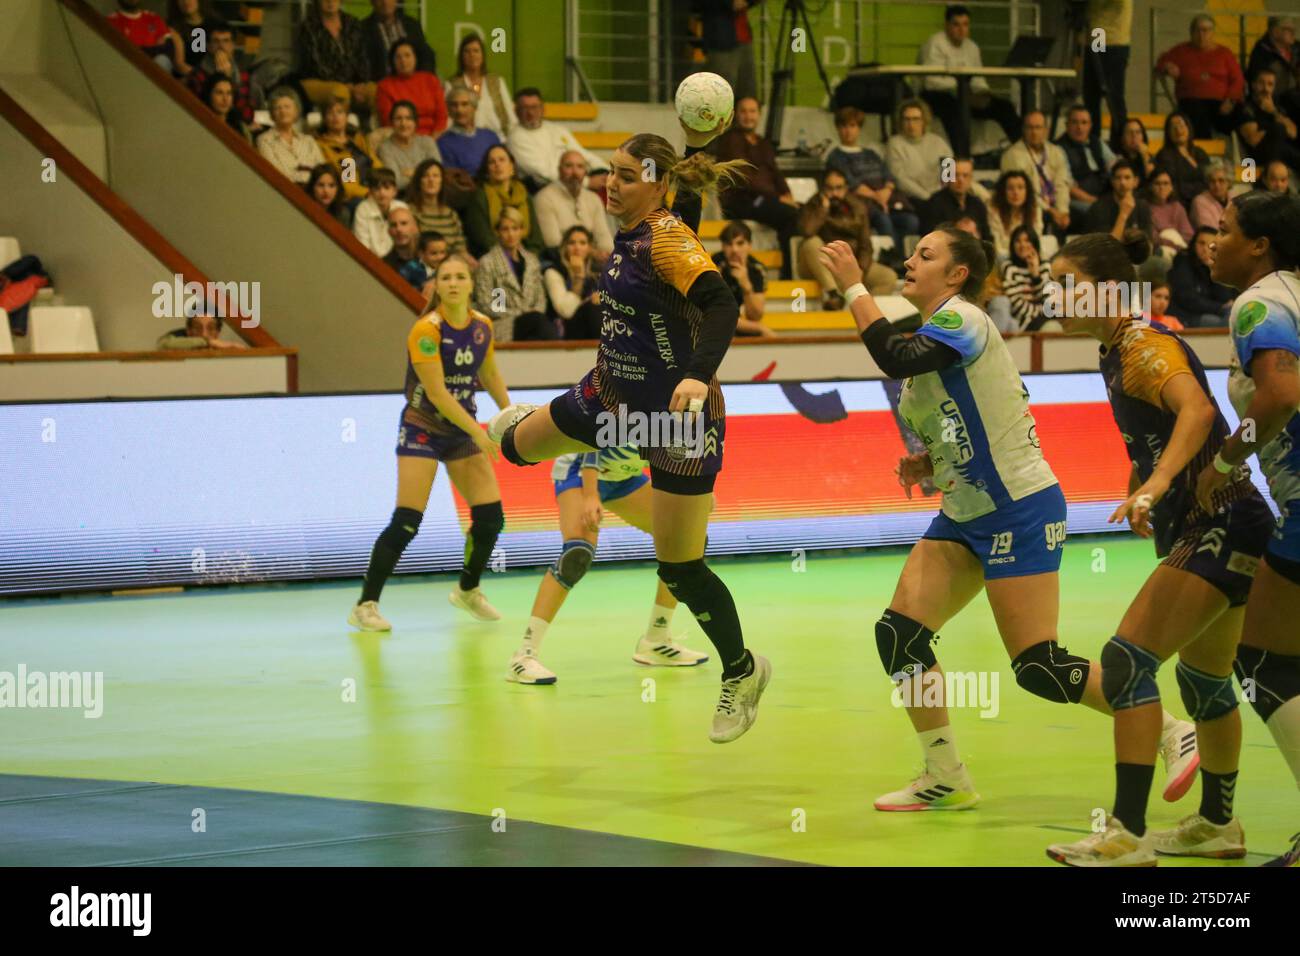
{"x":427,"y":345}
{"x":947,"y":319}
{"x":1251,"y":314}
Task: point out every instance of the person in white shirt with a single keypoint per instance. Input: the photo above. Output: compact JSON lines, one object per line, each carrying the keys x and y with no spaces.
{"x":915,"y":155}
{"x":289,"y":150}
{"x":370,"y":220}
{"x":1047,"y":166}
{"x":566,"y":203}
{"x":537,"y":144}
{"x":953,"y":47}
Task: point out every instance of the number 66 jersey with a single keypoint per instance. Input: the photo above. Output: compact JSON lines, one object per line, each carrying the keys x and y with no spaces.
{"x":462,"y":352}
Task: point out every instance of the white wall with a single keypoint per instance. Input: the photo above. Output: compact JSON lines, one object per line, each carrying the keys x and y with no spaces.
{"x":161,"y":378}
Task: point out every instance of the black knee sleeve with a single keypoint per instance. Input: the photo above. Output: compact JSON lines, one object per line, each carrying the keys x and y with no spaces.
{"x":1268,"y":680}
{"x":1049,"y":671}
{"x":508,"y":450}
{"x":1205,"y":696}
{"x":904,"y":645}
{"x":687,"y":580}
{"x":486,"y":521}
{"x":402,"y":527}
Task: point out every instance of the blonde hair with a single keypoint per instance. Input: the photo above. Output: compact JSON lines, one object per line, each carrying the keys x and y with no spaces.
{"x":927,"y":116}
{"x":512,"y":214}
{"x":700,"y":173}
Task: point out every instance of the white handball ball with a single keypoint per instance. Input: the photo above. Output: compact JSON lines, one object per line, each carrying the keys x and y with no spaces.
{"x":703,"y":99}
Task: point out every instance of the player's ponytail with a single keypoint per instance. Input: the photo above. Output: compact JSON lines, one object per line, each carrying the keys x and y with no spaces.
{"x":1104,"y":258}
{"x":1275,"y":217}
{"x":973,"y":253}
{"x":700,"y":173}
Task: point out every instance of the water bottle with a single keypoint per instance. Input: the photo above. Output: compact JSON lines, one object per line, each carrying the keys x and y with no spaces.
{"x":803,"y":141}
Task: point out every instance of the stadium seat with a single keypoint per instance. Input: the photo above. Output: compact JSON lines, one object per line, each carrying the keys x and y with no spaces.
{"x":6,"y":339}
{"x":63,"y":328}
{"x":10,"y":250}
{"x":570,"y":111}
{"x":592,"y":139}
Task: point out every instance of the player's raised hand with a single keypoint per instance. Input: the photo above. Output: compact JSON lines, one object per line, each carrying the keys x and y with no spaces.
{"x":701,"y":138}
{"x":842,"y":262}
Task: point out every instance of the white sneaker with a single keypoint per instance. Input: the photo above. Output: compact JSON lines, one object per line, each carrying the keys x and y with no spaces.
{"x":474,"y":602}
{"x":1182,"y":760}
{"x":366,"y":617}
{"x":526,"y":669}
{"x":738,"y":703}
{"x":1115,"y":846}
{"x":933,"y":791}
{"x":666,"y":653}
{"x":510,"y":415}
{"x":1197,"y":836}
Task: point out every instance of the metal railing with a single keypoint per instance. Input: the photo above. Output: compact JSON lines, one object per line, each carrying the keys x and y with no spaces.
{"x":1234,"y":29}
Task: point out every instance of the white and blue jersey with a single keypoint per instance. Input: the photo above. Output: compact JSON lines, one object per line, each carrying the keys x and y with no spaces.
{"x":622,"y":471}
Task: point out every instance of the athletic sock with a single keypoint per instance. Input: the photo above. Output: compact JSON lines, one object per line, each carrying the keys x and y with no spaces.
{"x":485,"y":524}
{"x":390,"y":544}
{"x":1217,"y":791}
{"x":660,"y":619}
{"x":742,"y":666}
{"x":533,"y":635}
{"x":939,"y":750}
{"x":1132,"y":790}
{"x":1284,"y":725}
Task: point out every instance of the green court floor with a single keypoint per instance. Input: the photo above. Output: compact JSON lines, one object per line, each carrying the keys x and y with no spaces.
{"x":247,"y":689}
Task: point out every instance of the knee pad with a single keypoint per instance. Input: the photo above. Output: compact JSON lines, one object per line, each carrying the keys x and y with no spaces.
{"x":574,"y":561}
{"x":1204,"y":695}
{"x":402,"y":527}
{"x":686,"y":580}
{"x":904,"y":645}
{"x":1268,"y":680}
{"x":1049,"y":671}
{"x":508,"y":450}
{"x":486,"y":520}
{"x":1128,"y":675}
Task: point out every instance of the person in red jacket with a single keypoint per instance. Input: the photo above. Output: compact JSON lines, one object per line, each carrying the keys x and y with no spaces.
{"x":150,"y":32}
{"x":1208,"y":81}
{"x":414,"y":85}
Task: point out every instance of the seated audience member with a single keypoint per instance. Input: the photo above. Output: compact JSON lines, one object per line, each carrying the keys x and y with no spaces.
{"x":1209,"y":206}
{"x":1048,"y":168}
{"x":493,"y":96}
{"x":405,"y":234}
{"x":385,"y":26}
{"x":1195,"y":298}
{"x":1121,"y":207}
{"x":1168,"y":216}
{"x":1158,"y":308}
{"x":537,"y":144}
{"x":914,"y":154}
{"x":289,"y":150}
{"x":1024,"y":279}
{"x":1208,"y":82}
{"x":219,"y":94}
{"x":407,"y":84}
{"x":763,"y":194}
{"x":464,"y":145}
{"x":953,"y":47}
{"x":1013,"y":206}
{"x":191,"y":20}
{"x":1277,"y":52}
{"x":406,"y":148}
{"x":990,"y":298}
{"x":1184,"y":160}
{"x":1277,"y":179}
{"x":508,"y":285}
{"x":331,"y":57}
{"x":567,"y":202}
{"x":833,"y":214}
{"x":150,"y":34}
{"x":745,"y":278}
{"x":200,"y":332}
{"x":325,"y":186}
{"x":222,"y":59}
{"x":570,"y":279}
{"x":869,"y":179}
{"x":370,"y":218}
{"x":1133,"y":147}
{"x":426,"y":195}
{"x":955,"y":200}
{"x":346,"y":148}
{"x":421,"y":270}
{"x":1089,"y":159}
{"x":499,"y":188}
{"x":1265,"y":131}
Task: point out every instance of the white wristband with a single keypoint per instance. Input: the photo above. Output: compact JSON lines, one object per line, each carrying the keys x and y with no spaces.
{"x":853,"y":291}
{"x":1223,"y":467}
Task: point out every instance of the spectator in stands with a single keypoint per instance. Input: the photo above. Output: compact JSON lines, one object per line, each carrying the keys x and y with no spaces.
{"x":421,"y":270}
{"x":745,"y":278}
{"x":199,"y":332}
{"x":1277,"y":179}
{"x":990,"y":298}
{"x":1024,"y":279}
{"x":1208,"y":82}
{"x":1277,"y":52}
{"x":1266,"y":131}
{"x":870,"y":180}
{"x":150,"y":33}
{"x":1013,"y":205}
{"x":1168,"y":216}
{"x":1120,"y":207}
{"x":508,"y":284}
{"x":1158,"y":307}
{"x":728,"y":42}
{"x":538,"y":144}
{"x":953,"y":47}
{"x":464,"y":145}
{"x":1047,"y":165}
{"x":383,"y":28}
{"x":406,"y":148}
{"x":331,"y":53}
{"x":763,"y":196}
{"x":493,"y":96}
{"x":914,"y":154}
{"x":565,"y":202}
{"x":1134,"y":146}
{"x":346,"y":148}
{"x":1109,"y":64}
{"x":325,"y":186}
{"x":219,"y":94}
{"x":406,"y":84}
{"x":405,"y":234}
{"x":1089,"y":160}
{"x":833,"y":213}
{"x":191,"y":20}
{"x":1197,"y":299}
{"x":570,"y":279}
{"x":223,"y":59}
{"x":1208,"y":208}
{"x":499,"y":188}
{"x":956,"y":200}
{"x":370,"y":218}
{"x":1183,"y":159}
{"x":288,"y":149}
{"x":426,"y":195}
